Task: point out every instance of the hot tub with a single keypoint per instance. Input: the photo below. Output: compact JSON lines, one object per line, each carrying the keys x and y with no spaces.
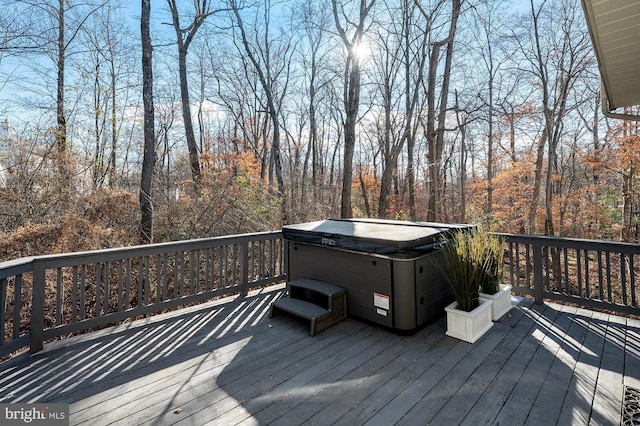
{"x":387,"y":267}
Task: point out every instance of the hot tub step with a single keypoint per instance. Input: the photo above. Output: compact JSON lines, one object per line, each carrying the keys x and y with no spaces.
{"x":299,"y":308}
{"x":322,"y":303}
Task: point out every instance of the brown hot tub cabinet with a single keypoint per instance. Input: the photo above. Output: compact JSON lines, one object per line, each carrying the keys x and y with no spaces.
{"x":388,"y":268}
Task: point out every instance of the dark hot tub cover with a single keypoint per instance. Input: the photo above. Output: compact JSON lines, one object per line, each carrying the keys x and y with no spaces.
{"x":370,"y":235}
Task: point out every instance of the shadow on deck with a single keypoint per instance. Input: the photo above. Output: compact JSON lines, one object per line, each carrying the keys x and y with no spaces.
{"x":226,"y":362}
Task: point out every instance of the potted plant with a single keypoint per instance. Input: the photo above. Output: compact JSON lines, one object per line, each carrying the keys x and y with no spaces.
{"x":469,"y":316}
{"x":491,"y":286}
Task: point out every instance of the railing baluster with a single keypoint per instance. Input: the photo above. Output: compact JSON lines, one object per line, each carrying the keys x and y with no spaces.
{"x":181,"y":273}
{"x":623,"y":279}
{"x":512,"y":267}
{"x":159,"y":266}
{"x":3,"y":313}
{"x":199,"y":283}
{"x":59,"y":296}
{"x":600,"y":280}
{"x":120,"y":301}
{"x":207,"y":272}
{"x":146,"y":281}
{"x":556,"y":259}
{"x":74,"y":293}
{"x":107,"y":291}
{"x":547,"y":268}
{"x":140,"y":283}
{"x":587,"y":290}
{"x":566,"y":271}
{"x":261,"y":259}
{"x":166,"y":276}
{"x":83,"y":292}
{"x":192,"y":272}
{"x":234,"y":262}
{"x":36,"y":342}
{"x":221,"y":283}
{"x":254,"y":266}
{"x":527,"y":266}
{"x":579,"y":268}
{"x":226,"y":266}
{"x":526,"y":271}
{"x":127,"y":287}
{"x":244,"y":267}
{"x":608,"y":269}
{"x":272,"y":266}
{"x":98,"y":287}
{"x":632,"y":278}
{"x":17,"y":306}
{"x":537,"y":273}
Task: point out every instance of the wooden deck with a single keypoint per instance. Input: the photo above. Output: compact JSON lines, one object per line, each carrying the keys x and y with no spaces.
{"x":228,"y":363}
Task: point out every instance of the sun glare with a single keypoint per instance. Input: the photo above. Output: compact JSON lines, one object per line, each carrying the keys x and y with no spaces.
{"x":362,"y":50}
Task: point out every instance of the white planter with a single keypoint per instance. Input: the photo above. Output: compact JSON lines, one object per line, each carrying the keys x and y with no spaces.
{"x":501,"y":301}
{"x":469,"y":326}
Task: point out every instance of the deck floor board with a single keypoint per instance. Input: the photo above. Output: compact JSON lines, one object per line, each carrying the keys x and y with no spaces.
{"x":549,"y":402}
{"x":226,"y":362}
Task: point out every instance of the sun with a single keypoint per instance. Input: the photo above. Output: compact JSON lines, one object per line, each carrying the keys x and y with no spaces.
{"x":362,"y":50}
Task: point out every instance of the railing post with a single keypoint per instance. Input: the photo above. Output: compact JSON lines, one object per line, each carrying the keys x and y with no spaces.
{"x":244,"y":268}
{"x":537,"y":272}
{"x":36,"y":330}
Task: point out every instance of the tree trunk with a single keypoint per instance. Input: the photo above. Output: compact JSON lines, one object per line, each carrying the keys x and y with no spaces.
{"x":490,"y":141}
{"x":273,"y":115}
{"x":537,"y":183}
{"x":64,"y":174}
{"x":627,"y":206}
{"x":462,"y":125}
{"x":351,"y":103}
{"x":114,"y":128}
{"x":192,"y":145}
{"x":351,"y":98}
{"x":61,"y":130}
{"x":183,"y":46}
{"x":146,"y":207}
{"x":390,"y":151}
{"x":365,"y":194}
{"x":436,"y":136}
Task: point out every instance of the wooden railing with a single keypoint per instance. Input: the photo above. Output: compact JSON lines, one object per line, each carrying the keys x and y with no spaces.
{"x":44,"y":297}
{"x":597,"y":274}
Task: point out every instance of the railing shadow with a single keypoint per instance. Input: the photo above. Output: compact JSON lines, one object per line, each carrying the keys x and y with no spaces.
{"x":596,"y":353}
{"x":74,"y":369}
{"x":226,"y":359}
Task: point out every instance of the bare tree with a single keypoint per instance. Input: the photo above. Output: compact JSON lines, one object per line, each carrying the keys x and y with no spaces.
{"x":492,"y":57}
{"x":52,"y":34}
{"x":409,"y":55}
{"x":105,"y":62}
{"x":184,"y":37}
{"x":557,"y":59}
{"x":435,"y":135}
{"x":148,"y":161}
{"x":351,"y":94}
{"x":267,"y":77}
{"x":315,"y":20}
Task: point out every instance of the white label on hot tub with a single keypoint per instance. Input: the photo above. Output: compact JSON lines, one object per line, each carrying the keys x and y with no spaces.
{"x":381,"y":312}
{"x":381,"y":301}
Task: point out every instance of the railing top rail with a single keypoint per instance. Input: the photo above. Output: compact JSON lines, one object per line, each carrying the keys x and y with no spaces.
{"x":24,"y":264}
{"x":15,"y":267}
{"x":577,"y":243}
